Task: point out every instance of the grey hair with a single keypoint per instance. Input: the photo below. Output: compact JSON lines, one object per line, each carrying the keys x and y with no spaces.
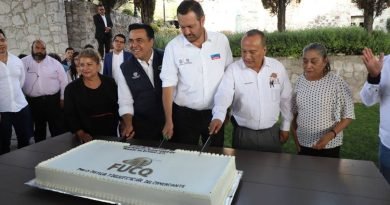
{"x":321,"y":50}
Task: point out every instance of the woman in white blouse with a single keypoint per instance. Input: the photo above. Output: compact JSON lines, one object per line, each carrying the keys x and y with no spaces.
{"x":322,"y":106}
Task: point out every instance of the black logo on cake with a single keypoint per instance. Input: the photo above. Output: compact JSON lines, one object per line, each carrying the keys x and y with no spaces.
{"x":134,"y":166}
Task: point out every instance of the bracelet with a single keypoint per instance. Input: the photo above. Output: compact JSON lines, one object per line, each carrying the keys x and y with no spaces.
{"x":334,"y":132}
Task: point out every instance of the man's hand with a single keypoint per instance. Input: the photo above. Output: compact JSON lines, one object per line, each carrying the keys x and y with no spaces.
{"x":283,"y":136}
{"x":127,"y":129}
{"x":373,"y":65}
{"x":83,"y":136}
{"x":61,"y":104}
{"x":215,"y":126}
{"x":167,"y":131}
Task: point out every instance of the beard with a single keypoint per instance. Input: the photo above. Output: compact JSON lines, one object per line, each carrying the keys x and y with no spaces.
{"x":38,"y":56}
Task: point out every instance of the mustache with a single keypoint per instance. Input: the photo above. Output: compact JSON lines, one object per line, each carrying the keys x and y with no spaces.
{"x":38,"y":56}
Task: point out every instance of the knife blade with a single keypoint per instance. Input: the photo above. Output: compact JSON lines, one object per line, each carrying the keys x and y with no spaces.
{"x":206,"y":144}
{"x":162,"y":141}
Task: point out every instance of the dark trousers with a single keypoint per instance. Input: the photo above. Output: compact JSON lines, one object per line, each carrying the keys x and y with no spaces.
{"x":148,"y":129}
{"x":46,"y":109}
{"x":104,"y":44}
{"x":191,"y":126}
{"x":332,"y":152}
{"x":22,"y":123}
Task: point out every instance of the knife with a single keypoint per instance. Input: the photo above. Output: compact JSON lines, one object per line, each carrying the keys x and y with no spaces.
{"x":206,"y":144}
{"x":162,"y":141}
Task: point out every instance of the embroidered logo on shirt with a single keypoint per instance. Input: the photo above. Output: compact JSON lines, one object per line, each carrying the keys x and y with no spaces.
{"x":273,"y":80}
{"x":184,"y":61}
{"x":136,"y":75}
{"x":215,"y":56}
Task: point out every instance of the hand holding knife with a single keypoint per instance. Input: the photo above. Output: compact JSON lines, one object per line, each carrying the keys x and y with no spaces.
{"x":206,"y":144}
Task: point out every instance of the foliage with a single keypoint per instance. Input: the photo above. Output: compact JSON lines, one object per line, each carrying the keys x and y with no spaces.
{"x":388,"y":25}
{"x":346,"y":40}
{"x":128,"y":12}
{"x":163,"y":35}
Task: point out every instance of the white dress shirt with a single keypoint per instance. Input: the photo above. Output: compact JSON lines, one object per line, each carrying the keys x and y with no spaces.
{"x":195,"y":72}
{"x":104,"y":20}
{"x":148,"y":67}
{"x":257,"y":99}
{"x":374,"y":93}
{"x":44,"y":78}
{"x":12,"y":77}
{"x":117,"y":60}
{"x":125,"y":98}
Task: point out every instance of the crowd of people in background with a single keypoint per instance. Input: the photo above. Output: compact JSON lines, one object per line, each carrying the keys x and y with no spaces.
{"x":185,"y":93}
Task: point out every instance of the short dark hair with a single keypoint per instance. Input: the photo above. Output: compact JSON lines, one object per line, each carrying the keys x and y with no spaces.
{"x":149,"y":30}
{"x":69,"y":48}
{"x":119,"y":35}
{"x":100,"y":5}
{"x":2,"y":32}
{"x":89,"y":46}
{"x":190,"y":5}
{"x":256,"y":32}
{"x":55,"y":56}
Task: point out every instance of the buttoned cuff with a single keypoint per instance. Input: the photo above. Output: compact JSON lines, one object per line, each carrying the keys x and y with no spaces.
{"x":285,"y":126}
{"x":372,"y":80}
{"x":219,"y":115}
{"x":126,"y":110}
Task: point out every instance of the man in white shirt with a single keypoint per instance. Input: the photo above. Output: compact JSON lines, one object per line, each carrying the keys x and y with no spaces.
{"x":14,"y":109}
{"x":113,"y":60}
{"x":258,"y":89}
{"x":139,"y":86}
{"x":193,"y":66}
{"x":377,"y":90}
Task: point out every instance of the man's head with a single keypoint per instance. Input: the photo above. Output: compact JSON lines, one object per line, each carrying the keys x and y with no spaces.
{"x":253,"y":49}
{"x":191,"y":20}
{"x":119,"y":43}
{"x":38,"y":50}
{"x":3,"y":43}
{"x":69,"y":53}
{"x":141,"y":40}
{"x":101,"y":10}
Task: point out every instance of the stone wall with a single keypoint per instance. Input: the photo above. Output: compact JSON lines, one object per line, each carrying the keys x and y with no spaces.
{"x":59,"y":23}
{"x":351,"y":68}
{"x":24,"y":21}
{"x":81,"y":29}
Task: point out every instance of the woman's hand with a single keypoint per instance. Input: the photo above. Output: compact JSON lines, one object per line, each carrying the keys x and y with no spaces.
{"x":323,"y":141}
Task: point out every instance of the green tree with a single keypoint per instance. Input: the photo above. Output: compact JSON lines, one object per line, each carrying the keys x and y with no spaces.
{"x":278,"y":7}
{"x":371,"y":9}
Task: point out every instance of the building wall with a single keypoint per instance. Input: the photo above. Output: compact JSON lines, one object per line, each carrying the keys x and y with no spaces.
{"x":81,"y":29}
{"x":242,"y":15}
{"x":59,"y":23}
{"x":24,"y":21}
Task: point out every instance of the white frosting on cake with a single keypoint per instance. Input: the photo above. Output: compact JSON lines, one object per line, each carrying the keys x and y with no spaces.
{"x":126,"y":174}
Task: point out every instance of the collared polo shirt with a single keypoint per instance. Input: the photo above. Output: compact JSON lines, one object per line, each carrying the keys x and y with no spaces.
{"x":195,"y":72}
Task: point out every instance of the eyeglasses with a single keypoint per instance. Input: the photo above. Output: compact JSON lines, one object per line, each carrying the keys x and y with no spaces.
{"x":118,"y":41}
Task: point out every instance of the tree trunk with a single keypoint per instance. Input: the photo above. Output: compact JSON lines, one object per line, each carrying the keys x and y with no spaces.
{"x":368,"y":19}
{"x":281,"y":16}
{"x":147,"y":10}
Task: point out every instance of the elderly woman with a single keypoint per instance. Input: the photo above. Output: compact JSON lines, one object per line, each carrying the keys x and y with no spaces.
{"x":91,"y":108}
{"x":322,"y":106}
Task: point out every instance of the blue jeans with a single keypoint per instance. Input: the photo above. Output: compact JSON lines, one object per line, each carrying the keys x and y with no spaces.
{"x":384,"y":161}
